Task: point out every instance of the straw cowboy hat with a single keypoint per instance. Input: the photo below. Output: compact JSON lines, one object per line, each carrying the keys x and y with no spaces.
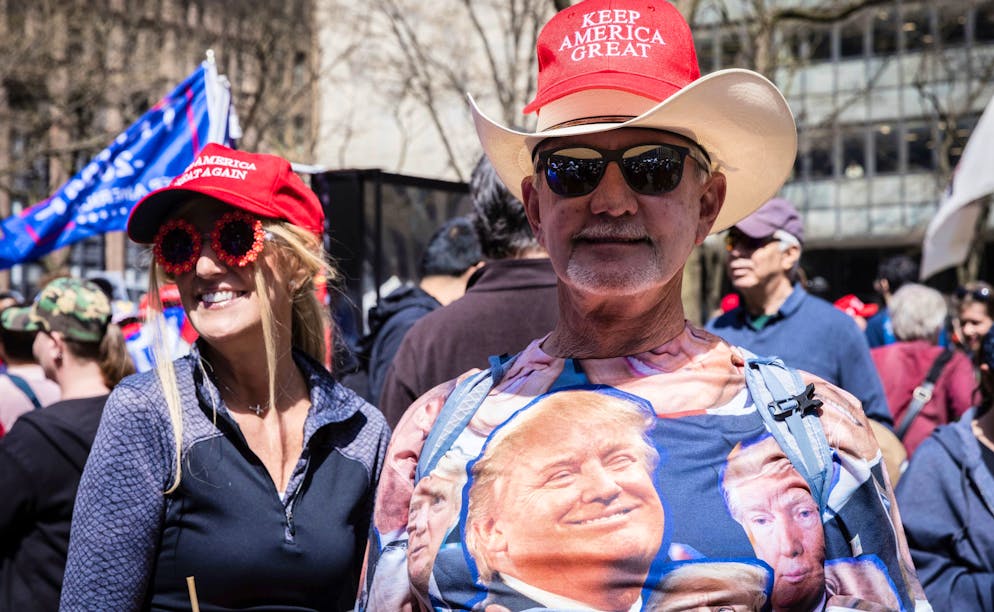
{"x":612,"y":64}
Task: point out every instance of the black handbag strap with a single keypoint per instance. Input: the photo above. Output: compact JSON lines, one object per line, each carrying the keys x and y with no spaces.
{"x":923,"y":392}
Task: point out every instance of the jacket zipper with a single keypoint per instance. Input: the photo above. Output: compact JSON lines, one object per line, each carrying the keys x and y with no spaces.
{"x":289,"y":529}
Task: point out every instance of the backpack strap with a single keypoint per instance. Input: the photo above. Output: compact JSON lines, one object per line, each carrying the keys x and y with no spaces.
{"x":790,"y":412}
{"x":923,"y":392}
{"x":25,"y":388}
{"x":458,"y":410}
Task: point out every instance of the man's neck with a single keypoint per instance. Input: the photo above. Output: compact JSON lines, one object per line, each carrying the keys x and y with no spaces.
{"x":81,"y":379}
{"x":767,"y":299}
{"x":445,"y":289}
{"x":615,"y":326}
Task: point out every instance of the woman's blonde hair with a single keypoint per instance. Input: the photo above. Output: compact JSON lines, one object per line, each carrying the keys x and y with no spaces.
{"x":296,"y":250}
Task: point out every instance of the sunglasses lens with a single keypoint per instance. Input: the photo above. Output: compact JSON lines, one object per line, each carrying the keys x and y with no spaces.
{"x":177,"y":246}
{"x":236,"y":237}
{"x":574,"y":172}
{"x":652,"y":169}
{"x":980,"y":294}
{"x":745,"y":244}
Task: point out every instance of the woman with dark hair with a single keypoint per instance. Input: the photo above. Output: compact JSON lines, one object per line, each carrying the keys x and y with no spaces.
{"x":241,"y":475}
{"x":42,"y":457}
{"x":947,"y":503}
{"x":973,"y":314}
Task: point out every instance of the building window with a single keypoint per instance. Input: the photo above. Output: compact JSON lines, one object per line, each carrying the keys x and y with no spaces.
{"x":921,"y":146}
{"x":952,"y":26}
{"x":299,"y":132}
{"x":886,"y":149}
{"x":851,"y":39}
{"x":89,"y":254}
{"x":885,"y":26}
{"x":916,"y":29}
{"x":705,"y":53}
{"x":731,"y":47}
{"x":984,"y":23}
{"x":300,"y":77}
{"x":964,"y":127}
{"x":854,"y":152}
{"x":819,"y":154}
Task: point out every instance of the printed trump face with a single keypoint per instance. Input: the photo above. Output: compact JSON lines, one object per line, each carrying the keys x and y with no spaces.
{"x":434,"y":507}
{"x":775,"y":507}
{"x":574,"y":510}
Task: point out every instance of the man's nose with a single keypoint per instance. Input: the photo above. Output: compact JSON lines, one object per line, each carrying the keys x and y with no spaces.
{"x":613,"y":196}
{"x":418,"y":522}
{"x":790,"y":538}
{"x":599,"y":485}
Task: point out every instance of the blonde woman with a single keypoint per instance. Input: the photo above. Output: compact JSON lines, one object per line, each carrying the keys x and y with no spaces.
{"x":244,"y":465}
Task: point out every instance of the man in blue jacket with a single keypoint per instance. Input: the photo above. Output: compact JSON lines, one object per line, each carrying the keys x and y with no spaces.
{"x":777,"y":317}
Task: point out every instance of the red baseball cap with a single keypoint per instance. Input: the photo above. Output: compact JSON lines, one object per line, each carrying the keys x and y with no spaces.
{"x":616,"y":64}
{"x":852,"y":305}
{"x":264,"y":185}
{"x":643,"y":47}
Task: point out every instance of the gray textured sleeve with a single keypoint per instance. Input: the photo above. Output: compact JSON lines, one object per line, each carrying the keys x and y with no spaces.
{"x":120,"y":506}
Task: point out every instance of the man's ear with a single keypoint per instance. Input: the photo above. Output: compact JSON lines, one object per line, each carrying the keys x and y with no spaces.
{"x":53,"y":345}
{"x":529,"y":197}
{"x":491,"y":535}
{"x":711,"y":201}
{"x":790,"y":257}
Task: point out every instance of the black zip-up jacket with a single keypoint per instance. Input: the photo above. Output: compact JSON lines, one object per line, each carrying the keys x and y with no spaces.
{"x":133,"y":546}
{"x":41,"y":460}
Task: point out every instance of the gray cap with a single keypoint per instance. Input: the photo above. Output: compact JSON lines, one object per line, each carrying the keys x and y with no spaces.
{"x":776,"y":214}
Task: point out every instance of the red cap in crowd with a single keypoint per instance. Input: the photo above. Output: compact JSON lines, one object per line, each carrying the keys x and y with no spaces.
{"x":852,"y":305}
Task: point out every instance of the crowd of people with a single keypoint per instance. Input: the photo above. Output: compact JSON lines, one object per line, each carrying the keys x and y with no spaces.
{"x":535,"y":424}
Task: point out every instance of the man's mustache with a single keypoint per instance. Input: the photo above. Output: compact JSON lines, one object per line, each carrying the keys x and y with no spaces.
{"x":620,"y":231}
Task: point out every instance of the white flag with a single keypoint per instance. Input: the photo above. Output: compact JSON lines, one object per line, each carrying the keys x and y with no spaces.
{"x":224,"y":126}
{"x":950,"y":233}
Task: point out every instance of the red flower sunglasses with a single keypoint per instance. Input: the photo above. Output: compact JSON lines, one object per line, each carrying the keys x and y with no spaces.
{"x":237,"y":239}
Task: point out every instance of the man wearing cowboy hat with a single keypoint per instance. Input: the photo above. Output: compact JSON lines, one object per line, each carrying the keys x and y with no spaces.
{"x":636,"y":159}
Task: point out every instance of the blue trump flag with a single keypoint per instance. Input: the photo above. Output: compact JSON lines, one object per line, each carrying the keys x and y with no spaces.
{"x":156,"y":148}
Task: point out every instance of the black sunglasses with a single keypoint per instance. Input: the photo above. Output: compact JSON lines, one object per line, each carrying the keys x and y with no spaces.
{"x":745,"y":244}
{"x":980,"y":294}
{"x":649,"y":169}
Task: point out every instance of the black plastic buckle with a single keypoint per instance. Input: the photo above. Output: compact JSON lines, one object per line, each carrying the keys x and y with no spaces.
{"x":802,"y":403}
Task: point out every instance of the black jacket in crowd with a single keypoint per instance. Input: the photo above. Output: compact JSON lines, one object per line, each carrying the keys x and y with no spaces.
{"x":41,"y":460}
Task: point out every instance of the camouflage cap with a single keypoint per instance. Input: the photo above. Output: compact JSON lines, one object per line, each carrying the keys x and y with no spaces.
{"x":15,"y":318}
{"x":77,"y":309}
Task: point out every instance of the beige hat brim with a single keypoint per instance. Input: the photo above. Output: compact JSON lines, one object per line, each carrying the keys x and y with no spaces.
{"x":738,"y":116}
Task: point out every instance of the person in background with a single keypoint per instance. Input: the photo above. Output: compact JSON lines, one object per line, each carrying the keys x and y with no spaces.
{"x":42,"y":457}
{"x":508,"y":301}
{"x":778,"y":317}
{"x":892,"y":274}
{"x":23,"y":385}
{"x":10,"y":298}
{"x":7,"y":299}
{"x":451,"y":256}
{"x":241,"y":474}
{"x":918,"y":315}
{"x":973,"y":319}
{"x":947,"y":503}
{"x":857,"y":309}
